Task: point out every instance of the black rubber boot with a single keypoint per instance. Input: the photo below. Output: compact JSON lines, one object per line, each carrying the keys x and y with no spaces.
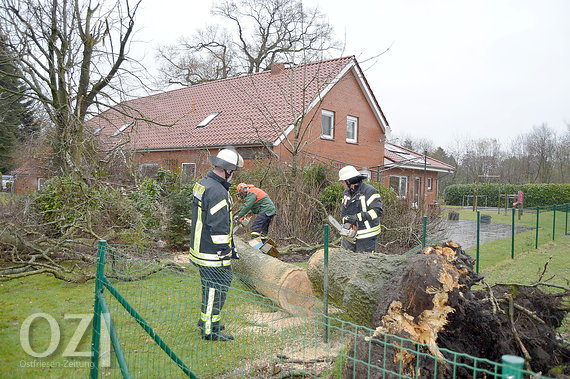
{"x":219,"y":336}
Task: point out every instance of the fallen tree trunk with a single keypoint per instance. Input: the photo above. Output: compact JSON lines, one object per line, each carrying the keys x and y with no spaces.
{"x":286,"y":284}
{"x":358,"y":282}
{"x":427,"y":298}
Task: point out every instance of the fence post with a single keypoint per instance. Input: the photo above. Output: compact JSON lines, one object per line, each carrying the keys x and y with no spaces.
{"x":96,"y":334}
{"x":478,"y":233}
{"x":326,"y":282}
{"x":513,"y":234}
{"x":513,"y":367}
{"x":424,"y":232}
{"x":566,"y":227}
{"x":553,"y":221}
{"x":536,"y":238}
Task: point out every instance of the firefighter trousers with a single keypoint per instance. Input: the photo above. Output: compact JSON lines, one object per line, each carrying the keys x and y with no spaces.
{"x":215,"y":285}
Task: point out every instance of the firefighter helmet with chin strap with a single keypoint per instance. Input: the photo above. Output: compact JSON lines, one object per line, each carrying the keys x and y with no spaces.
{"x":227,"y":159}
{"x":349,"y":172}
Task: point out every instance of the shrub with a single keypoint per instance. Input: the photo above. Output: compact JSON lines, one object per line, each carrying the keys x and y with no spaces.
{"x":68,"y":206}
{"x":534,"y":194}
{"x":180,"y":209}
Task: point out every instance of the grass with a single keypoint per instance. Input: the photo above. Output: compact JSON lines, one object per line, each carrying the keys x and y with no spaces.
{"x":500,"y":250}
{"x":22,"y":298}
{"x":5,"y":198}
{"x":169,"y":301}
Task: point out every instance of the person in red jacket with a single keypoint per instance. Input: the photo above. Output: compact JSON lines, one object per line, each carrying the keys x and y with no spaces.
{"x":258,"y":202}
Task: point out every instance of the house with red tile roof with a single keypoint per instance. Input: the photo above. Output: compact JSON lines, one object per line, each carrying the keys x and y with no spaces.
{"x":411,"y":175}
{"x":317,"y":112}
{"x":29,"y":177}
{"x":294,"y":114}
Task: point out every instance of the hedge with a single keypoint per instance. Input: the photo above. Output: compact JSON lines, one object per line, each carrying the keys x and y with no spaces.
{"x":534,"y":194}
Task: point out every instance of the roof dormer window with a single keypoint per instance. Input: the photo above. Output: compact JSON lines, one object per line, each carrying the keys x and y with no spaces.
{"x":122,"y":129}
{"x":208,"y":119}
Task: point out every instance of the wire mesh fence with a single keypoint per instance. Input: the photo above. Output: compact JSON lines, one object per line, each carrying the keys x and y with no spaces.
{"x":492,"y":235}
{"x":149,"y":308}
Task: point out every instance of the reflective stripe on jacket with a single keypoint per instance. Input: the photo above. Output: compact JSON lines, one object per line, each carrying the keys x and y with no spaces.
{"x":212,"y":224}
{"x":366,"y":204}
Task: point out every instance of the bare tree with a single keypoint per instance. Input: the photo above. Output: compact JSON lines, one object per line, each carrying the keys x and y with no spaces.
{"x":261,"y":33}
{"x":70,"y":54}
{"x":562,"y":156}
{"x":540,"y":144}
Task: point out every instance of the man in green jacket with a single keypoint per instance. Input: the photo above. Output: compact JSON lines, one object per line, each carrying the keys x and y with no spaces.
{"x":258,"y":202}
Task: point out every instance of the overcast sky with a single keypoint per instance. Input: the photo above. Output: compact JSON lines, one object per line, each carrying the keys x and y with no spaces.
{"x":456,"y":69}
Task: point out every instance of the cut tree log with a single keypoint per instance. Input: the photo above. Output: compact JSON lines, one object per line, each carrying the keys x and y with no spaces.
{"x":358,"y":282}
{"x":286,"y":284}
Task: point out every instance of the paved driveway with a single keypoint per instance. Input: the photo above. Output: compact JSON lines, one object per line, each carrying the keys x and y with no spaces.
{"x":464,"y":232}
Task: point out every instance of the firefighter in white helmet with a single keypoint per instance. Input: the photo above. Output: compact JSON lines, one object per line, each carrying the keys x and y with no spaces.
{"x":362,"y":208}
{"x":211,"y":243}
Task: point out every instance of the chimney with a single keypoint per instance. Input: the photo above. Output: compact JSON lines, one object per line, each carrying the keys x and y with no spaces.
{"x":277,"y":68}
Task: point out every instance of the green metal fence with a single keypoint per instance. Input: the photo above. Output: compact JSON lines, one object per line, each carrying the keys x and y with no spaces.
{"x":150,"y":307}
{"x":494,"y":235}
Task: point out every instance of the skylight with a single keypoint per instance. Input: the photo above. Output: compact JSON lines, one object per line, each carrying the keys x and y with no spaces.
{"x":122,"y":129}
{"x":208,"y":119}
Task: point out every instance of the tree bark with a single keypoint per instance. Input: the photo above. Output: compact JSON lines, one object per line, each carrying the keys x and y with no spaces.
{"x":357,"y":281}
{"x":286,"y":284}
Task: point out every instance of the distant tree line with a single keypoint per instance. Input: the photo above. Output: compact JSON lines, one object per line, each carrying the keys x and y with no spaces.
{"x":539,"y":156}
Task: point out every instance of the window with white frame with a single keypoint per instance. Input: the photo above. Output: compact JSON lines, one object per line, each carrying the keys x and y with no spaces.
{"x":188,"y":171}
{"x":400,"y":185}
{"x":351,"y":129}
{"x":327,"y":124}
{"x":429,"y":184}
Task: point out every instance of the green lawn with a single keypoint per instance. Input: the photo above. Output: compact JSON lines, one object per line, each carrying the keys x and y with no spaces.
{"x":170,"y":302}
{"x":20,"y":299}
{"x":501,"y":250}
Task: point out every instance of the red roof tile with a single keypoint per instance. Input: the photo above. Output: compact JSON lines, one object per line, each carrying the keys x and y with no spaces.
{"x":399,"y":156}
{"x":252,"y":109}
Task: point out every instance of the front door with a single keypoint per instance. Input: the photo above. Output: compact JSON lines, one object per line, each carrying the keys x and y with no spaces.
{"x":417,"y":188}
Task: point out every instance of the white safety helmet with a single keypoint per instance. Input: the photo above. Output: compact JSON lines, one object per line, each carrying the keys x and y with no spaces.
{"x":348,"y":172}
{"x":228,"y":159}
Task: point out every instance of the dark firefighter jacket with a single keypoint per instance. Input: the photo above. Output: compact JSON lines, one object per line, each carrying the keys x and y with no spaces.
{"x":365,"y":203}
{"x":257,"y":201}
{"x":212,"y":224}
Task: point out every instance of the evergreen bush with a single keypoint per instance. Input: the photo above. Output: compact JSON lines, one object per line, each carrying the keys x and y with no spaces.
{"x":533,"y":194}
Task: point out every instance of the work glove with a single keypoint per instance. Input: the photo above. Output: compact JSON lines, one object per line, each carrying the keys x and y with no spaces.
{"x":352,"y":219}
{"x":228,"y":253}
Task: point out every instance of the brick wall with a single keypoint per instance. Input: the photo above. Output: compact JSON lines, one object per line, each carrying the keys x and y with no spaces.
{"x":25,"y":184}
{"x":173,"y":160}
{"x":345,"y":99}
{"x":430,"y":194}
